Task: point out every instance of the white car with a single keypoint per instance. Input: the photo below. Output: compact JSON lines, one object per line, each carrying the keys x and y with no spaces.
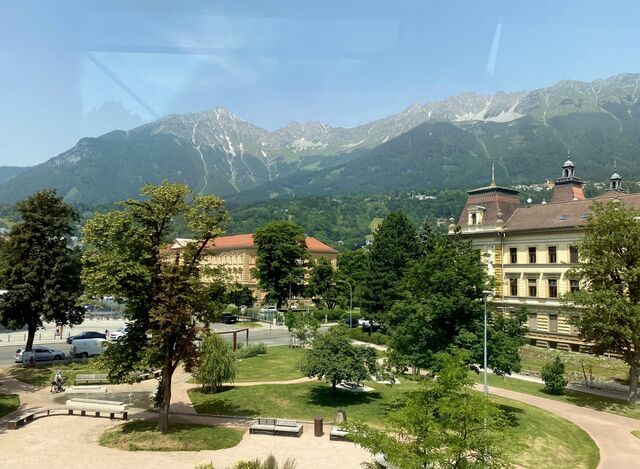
{"x":269,"y":309}
{"x":118,"y":333}
{"x":40,"y":354}
{"x":84,"y":348}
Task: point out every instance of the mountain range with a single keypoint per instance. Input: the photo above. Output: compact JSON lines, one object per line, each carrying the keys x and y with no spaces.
{"x":439,"y":144}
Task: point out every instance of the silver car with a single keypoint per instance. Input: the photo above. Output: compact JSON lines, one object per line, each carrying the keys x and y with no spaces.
{"x":40,"y":354}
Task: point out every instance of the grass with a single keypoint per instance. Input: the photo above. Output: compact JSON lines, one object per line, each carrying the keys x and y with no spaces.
{"x":278,"y":364}
{"x":602,"y":368}
{"x":538,"y":438}
{"x":8,"y":403}
{"x":142,"y":435}
{"x":44,"y":373}
{"x":579,"y":399}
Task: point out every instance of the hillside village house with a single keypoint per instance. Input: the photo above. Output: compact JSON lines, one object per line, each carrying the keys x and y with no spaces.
{"x":236,"y":255}
{"x":530,"y":249}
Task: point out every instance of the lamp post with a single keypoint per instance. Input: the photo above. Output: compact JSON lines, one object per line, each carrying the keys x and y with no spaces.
{"x":350,"y":301}
{"x":485,"y":294}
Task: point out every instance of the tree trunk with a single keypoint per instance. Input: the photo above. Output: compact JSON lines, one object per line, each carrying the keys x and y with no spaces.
{"x":333,"y":386}
{"x":163,"y":422}
{"x":31,"y":335}
{"x":633,"y":382}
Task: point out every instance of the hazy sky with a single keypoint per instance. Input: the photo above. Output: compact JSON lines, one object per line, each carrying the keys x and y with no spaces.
{"x":73,"y":69}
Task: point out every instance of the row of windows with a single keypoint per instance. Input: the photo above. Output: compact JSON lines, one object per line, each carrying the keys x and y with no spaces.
{"x":552,"y":255}
{"x":532,"y":285}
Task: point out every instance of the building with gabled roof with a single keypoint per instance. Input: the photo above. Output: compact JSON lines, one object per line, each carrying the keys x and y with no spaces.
{"x":531,"y":249}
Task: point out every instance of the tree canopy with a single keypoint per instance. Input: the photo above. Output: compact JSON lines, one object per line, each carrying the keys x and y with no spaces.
{"x":40,"y":272}
{"x":281,"y":260}
{"x":322,"y":283}
{"x":608,"y":314}
{"x":126,"y":255}
{"x":217,"y":364}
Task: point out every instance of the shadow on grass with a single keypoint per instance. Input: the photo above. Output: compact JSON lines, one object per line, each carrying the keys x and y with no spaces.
{"x":219,"y":404}
{"x":511,"y":414}
{"x":326,"y":397}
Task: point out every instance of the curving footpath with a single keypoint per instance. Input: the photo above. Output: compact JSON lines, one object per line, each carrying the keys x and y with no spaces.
{"x":611,"y":433}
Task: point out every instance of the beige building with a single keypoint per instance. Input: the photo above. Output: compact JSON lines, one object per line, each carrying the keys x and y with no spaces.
{"x":530,"y":249}
{"x":236,"y":256}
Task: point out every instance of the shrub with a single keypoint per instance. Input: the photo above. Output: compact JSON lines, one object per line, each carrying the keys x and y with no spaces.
{"x":553,"y":376}
{"x":335,"y":314}
{"x":217,"y":363}
{"x":251,"y":350}
{"x":375,"y":338}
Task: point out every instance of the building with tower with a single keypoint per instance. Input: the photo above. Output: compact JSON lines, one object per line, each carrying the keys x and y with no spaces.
{"x":530,"y":249}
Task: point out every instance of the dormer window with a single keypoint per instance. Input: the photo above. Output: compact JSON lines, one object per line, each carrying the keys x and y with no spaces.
{"x":476,"y":215}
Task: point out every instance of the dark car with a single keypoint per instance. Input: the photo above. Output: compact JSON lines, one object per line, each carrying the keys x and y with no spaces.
{"x":87,"y":335}
{"x":351,"y":322}
{"x":228,"y":318}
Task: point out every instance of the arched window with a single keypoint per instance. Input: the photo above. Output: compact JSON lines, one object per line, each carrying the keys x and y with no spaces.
{"x":474,"y":218}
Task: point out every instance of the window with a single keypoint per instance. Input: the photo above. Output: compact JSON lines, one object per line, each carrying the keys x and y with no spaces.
{"x":553,"y":288}
{"x":474,"y":219}
{"x":513,"y":254}
{"x":574,"y":285}
{"x":513,"y":286}
{"x":573,"y":254}
{"x":532,"y":255}
{"x":533,"y":289}
{"x":553,"y":322}
{"x":532,"y":322}
{"x":553,"y":255}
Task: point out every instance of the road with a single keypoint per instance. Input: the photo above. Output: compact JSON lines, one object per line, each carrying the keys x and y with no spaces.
{"x":268,"y":334}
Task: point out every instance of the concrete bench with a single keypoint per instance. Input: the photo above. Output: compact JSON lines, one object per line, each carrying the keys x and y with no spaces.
{"x":97,"y":406}
{"x":91,"y":379}
{"x":276,"y":427}
{"x":337,"y":433}
{"x":25,"y":417}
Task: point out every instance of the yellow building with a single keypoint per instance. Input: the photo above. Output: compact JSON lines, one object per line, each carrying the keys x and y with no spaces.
{"x":236,"y":256}
{"x":530,"y":249}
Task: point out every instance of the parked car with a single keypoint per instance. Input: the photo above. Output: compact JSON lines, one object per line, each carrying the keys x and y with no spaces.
{"x":40,"y":354}
{"x":86,"y":335}
{"x":269,"y":309}
{"x":351,"y":322}
{"x":118,"y":333}
{"x":85,"y":348}
{"x":228,"y":318}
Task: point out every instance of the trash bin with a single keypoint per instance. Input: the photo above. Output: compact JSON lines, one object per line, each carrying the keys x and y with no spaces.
{"x":317,"y":426}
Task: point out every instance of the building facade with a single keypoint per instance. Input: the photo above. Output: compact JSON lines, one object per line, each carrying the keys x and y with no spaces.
{"x":530,"y":250}
{"x":236,"y":256}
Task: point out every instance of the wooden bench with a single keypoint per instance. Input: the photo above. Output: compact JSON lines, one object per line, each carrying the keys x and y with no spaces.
{"x":276,"y":427}
{"x":97,"y":406}
{"x":91,"y":379}
{"x":26,"y":417}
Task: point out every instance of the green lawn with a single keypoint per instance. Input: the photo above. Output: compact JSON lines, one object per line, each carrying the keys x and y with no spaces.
{"x":44,"y":373}
{"x":605,"y":369}
{"x":142,"y":435}
{"x":580,"y":399}
{"x":8,"y":403}
{"x":278,"y":364}
{"x":542,"y":440}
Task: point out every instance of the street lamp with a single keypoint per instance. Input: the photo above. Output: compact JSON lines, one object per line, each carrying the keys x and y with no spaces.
{"x":350,"y":301}
{"x":485,"y":294}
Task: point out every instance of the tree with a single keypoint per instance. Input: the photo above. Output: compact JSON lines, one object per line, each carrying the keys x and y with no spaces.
{"x":333,"y":357}
{"x":444,"y":424}
{"x":302,"y":326}
{"x":40,"y":273}
{"x":239,"y":295}
{"x":126,"y":255}
{"x":217,"y":363}
{"x":394,"y":248}
{"x":352,"y":268}
{"x":322,"y":284}
{"x":608,"y":313}
{"x":427,"y":235}
{"x":281,"y":260}
{"x":552,"y":374}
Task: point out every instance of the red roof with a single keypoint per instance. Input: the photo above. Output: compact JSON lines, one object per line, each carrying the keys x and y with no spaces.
{"x":246,"y":241}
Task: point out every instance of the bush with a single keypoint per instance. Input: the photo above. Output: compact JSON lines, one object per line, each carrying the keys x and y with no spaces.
{"x":553,"y":376}
{"x":269,"y":463}
{"x":217,"y":363}
{"x":336,"y":314}
{"x":376,"y":338}
{"x":251,"y":350}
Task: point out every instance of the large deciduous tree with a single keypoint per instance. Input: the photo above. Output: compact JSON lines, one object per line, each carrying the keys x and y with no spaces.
{"x":444,"y":424}
{"x":322,"y":284}
{"x":127,"y":255}
{"x":395,"y":246}
{"x":608,"y":314}
{"x":281,"y":260}
{"x":41,"y":273}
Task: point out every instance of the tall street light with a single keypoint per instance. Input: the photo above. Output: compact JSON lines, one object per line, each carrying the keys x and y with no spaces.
{"x":485,"y":294}
{"x":350,"y":301}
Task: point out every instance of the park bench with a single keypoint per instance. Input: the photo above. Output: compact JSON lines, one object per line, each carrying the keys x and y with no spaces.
{"x":91,"y":379}
{"x":26,"y":417}
{"x":338,"y":433}
{"x":276,"y":427}
{"x":97,"y":406}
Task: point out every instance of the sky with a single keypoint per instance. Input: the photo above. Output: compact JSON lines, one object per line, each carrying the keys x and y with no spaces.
{"x":70,"y":69}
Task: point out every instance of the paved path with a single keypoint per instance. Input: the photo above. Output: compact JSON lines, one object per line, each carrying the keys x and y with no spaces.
{"x":611,"y":433}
